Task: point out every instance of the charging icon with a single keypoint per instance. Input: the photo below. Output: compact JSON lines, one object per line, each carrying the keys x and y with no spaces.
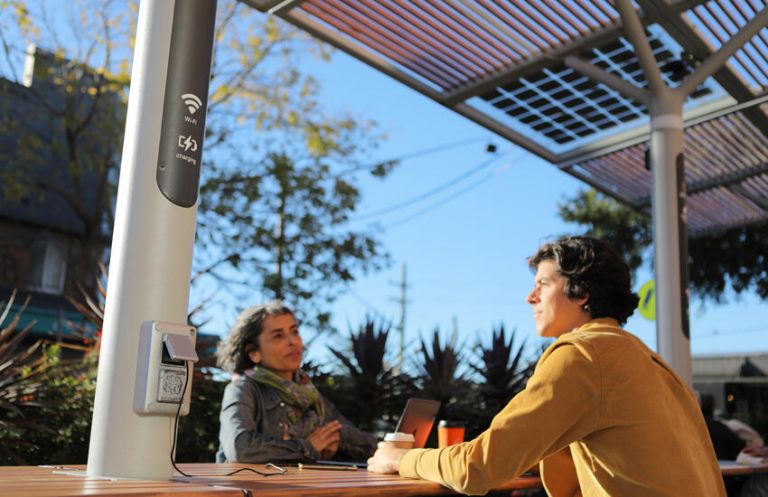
{"x":187,"y":143}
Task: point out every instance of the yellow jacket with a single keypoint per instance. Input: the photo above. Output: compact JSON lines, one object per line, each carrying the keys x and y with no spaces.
{"x":603,"y":415}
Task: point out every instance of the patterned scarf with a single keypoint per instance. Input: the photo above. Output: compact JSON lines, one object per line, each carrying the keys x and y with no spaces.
{"x":305,"y":406}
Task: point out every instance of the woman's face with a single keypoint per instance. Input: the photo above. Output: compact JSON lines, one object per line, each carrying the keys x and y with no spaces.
{"x":280,"y":345}
{"x":553,"y":311}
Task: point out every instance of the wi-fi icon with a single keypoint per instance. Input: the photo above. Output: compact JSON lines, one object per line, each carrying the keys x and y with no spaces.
{"x":192,"y":102}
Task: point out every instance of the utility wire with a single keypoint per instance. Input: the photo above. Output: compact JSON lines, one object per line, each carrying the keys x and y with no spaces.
{"x":448,"y":199}
{"x":432,"y":192}
{"x":440,"y":203}
{"x":418,"y":153}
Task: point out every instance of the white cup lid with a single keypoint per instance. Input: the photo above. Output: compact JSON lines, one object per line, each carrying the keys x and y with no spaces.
{"x":399,"y":437}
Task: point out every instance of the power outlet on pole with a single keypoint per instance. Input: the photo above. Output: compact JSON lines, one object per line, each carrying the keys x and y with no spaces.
{"x":166,"y":360}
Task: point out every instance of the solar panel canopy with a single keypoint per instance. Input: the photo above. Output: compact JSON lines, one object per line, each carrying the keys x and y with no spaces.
{"x":502,"y":64}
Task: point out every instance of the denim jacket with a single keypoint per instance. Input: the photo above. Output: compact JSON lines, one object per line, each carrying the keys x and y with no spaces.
{"x":253,"y":420}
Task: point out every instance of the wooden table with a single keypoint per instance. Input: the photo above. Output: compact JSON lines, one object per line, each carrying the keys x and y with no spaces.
{"x":46,"y":481}
{"x":731,"y":468}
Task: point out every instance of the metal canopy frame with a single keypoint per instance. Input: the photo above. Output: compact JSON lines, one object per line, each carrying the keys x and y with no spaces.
{"x":612,"y":92}
{"x":512,"y":67}
{"x":466,"y":54}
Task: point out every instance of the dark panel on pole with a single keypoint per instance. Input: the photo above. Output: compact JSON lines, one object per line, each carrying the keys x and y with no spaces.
{"x":186,"y":100}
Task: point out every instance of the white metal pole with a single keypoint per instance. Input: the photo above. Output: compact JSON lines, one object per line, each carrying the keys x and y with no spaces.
{"x":670,"y":231}
{"x":151,"y":259}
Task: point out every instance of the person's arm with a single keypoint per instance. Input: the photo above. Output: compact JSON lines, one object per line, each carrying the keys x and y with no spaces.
{"x":355,"y":444}
{"x":240,"y":436}
{"x":561,"y":404}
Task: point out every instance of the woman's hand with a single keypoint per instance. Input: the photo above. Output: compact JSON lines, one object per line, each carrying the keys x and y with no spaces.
{"x":325,"y":439}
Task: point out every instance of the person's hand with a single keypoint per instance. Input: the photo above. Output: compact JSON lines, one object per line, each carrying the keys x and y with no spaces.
{"x":386,"y":459}
{"x":329,"y":452}
{"x":756,"y":451}
{"x":325,"y":439}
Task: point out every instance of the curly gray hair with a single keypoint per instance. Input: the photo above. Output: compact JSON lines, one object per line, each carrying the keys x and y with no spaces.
{"x":243,"y":337}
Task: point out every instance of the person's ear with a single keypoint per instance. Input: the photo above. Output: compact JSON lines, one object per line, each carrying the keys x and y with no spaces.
{"x":583,"y":303}
{"x":254,"y":356}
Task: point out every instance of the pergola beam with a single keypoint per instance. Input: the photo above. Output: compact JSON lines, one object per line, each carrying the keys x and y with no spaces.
{"x":673,"y":23}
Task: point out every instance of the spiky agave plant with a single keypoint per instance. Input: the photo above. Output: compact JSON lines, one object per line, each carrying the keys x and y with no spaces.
{"x":504,"y":370}
{"x":23,"y":370}
{"x":441,"y":377}
{"x":369,"y":389}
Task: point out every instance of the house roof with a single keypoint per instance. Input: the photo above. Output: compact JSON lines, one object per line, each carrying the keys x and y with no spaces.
{"x":503,"y":65}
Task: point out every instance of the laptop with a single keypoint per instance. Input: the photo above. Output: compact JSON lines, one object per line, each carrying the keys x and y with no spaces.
{"x":417,"y":419}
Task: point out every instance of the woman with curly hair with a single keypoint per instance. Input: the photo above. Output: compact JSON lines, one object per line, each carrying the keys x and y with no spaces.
{"x":602,"y":415}
{"x":271,"y":411}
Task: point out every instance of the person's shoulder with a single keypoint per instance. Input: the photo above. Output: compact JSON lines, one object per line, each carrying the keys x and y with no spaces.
{"x":603,"y":333}
{"x":241,"y":383}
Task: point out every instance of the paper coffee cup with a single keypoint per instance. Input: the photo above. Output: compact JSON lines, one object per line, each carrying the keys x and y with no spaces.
{"x":400,"y":440}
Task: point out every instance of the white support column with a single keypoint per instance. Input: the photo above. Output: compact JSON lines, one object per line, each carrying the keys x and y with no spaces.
{"x":670,"y":231}
{"x":151,"y":259}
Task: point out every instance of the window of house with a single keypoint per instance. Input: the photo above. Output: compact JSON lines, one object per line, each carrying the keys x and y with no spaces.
{"x":49,"y":265}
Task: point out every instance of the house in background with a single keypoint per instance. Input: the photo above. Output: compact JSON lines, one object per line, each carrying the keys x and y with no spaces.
{"x":60,"y":132}
{"x":739,"y":385}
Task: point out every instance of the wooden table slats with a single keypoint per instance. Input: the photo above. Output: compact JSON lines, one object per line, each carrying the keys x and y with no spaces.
{"x":210,"y":480}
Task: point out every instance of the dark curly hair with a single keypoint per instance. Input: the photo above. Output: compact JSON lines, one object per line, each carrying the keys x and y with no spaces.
{"x":592,"y":270}
{"x":243,"y":337}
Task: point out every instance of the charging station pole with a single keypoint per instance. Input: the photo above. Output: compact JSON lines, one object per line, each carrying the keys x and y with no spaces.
{"x":153,"y":237}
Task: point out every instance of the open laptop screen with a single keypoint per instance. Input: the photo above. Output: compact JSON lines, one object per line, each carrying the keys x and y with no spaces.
{"x":417,"y":419}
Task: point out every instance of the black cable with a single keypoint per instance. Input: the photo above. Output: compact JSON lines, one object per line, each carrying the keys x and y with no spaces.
{"x":433,"y":191}
{"x":443,"y":201}
{"x":279,"y":471}
{"x":419,"y":153}
{"x":176,"y":420}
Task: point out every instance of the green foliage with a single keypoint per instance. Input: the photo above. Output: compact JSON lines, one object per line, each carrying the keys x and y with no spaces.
{"x":504,"y":371}
{"x":23,"y":371}
{"x":45,"y":403}
{"x":367,"y":390}
{"x":629,"y":231}
{"x":65,"y":408}
{"x":274,"y":211}
{"x":734,"y":259}
{"x":269,"y":142}
{"x":61,"y":125}
{"x":286,"y":231}
{"x":198,"y":435}
{"x":441,"y":377}
{"x":737,"y":258}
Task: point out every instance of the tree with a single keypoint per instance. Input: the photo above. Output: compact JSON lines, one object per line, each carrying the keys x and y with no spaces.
{"x":734,"y":259}
{"x":61,"y":125}
{"x":286,"y":230}
{"x":269,"y":145}
{"x":277,"y":191}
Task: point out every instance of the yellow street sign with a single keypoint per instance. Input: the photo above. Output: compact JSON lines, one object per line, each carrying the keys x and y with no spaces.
{"x":647,"y":305}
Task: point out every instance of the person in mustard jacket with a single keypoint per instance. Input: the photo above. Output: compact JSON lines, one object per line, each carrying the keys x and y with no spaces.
{"x":602,"y":415}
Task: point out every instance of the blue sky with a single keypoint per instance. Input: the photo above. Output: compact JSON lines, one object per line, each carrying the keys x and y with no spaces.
{"x":465,"y":248}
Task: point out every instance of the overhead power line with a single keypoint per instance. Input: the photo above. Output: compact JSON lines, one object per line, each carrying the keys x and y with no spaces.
{"x":411,"y":155}
{"x":459,"y":193}
{"x":433,"y":191}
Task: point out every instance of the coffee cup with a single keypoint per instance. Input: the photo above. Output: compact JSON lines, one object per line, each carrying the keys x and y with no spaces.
{"x":400,"y":440}
{"x":449,"y":433}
